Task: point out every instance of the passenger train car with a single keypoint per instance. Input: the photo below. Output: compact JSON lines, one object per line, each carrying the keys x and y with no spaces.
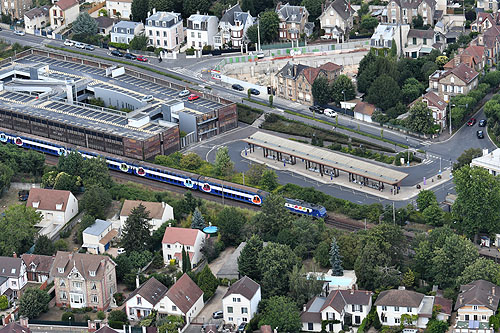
{"x":171,"y":176}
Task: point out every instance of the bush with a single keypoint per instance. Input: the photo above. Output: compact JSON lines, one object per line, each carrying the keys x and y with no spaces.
{"x":101,"y":315}
{"x":190,"y":51}
{"x":116,"y":324}
{"x":119,"y":298}
{"x":68,"y":316}
{"x":122,"y":46}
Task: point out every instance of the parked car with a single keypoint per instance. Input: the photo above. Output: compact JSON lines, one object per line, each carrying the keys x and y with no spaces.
{"x":254,"y":91}
{"x":147,"y":98}
{"x":193,"y":97}
{"x":482,"y":123}
{"x":141,"y":58}
{"x":260,"y":55}
{"x":330,"y":113}
{"x":218,"y":314}
{"x":120,"y":250}
{"x":242,"y":326}
{"x":471,"y":122}
{"x":184,"y":93}
{"x":68,"y":42}
{"x":480,"y":134}
{"x":89,"y":47}
{"x":237,"y":87}
{"x":79,"y":45}
{"x":130,"y":56}
{"x":19,"y":32}
{"x":116,"y":53}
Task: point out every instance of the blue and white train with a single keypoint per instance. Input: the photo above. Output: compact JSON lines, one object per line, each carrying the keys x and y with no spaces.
{"x":171,"y":176}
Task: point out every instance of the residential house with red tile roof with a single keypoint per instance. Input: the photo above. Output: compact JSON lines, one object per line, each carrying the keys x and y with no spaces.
{"x":62,"y":13}
{"x":184,"y":299}
{"x":490,"y":39}
{"x":436,"y":104}
{"x":84,"y":280}
{"x":174,"y":239}
{"x":294,"y":81}
{"x":364,"y":111}
{"x":451,"y":82}
{"x":14,"y":327}
{"x":349,"y":307}
{"x":57,"y":207}
{"x":159,"y":212}
{"x":141,"y":302}
{"x":38,"y":267}
{"x":473,"y":56}
{"x":483,"y":22}
{"x":241,"y":300}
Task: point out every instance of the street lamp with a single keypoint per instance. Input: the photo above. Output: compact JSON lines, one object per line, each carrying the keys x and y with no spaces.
{"x":69,"y":321}
{"x":449,"y":113}
{"x":258,"y":34}
{"x":408,"y":144}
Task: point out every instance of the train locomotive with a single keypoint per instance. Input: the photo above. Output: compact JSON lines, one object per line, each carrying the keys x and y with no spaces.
{"x":190,"y":181}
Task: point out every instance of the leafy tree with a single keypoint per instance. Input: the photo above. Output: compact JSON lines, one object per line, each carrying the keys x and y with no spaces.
{"x":320,"y":90}
{"x":87,"y":221}
{"x":368,"y":23}
{"x":118,"y":316}
{"x":269,"y":25}
{"x":172,"y":324}
{"x":254,"y":174}
{"x":33,"y":302}
{"x":95,"y":173}
{"x":191,"y":161}
{"x":281,"y":312}
{"x":207,"y":282}
{"x":136,"y":234}
{"x":367,"y":60}
{"x":64,"y":181}
{"x":425,"y":247}
{"x":343,"y":86}
{"x":412,"y":89}
{"x":269,"y":180}
{"x":302,"y":288}
{"x":6,"y":174}
{"x":190,"y":7}
{"x":247,"y":261}
{"x":123,"y":266}
{"x":441,"y":61}
{"x":230,"y":222}
{"x":60,"y":245}
{"x":20,"y":222}
{"x":272,"y":218}
{"x":425,"y":198}
{"x":4,"y":302}
{"x":139,"y":259}
{"x":186,"y":263}
{"x":140,"y":10}
{"x":248,"y":5}
{"x":436,"y":326}
{"x":391,"y":93}
{"x":139,"y":42}
{"x":433,"y":215}
{"x":466,"y":157}
{"x":223,"y":165}
{"x":418,"y":22}
{"x":275,"y":261}
{"x":198,"y":222}
{"x":314,"y":7}
{"x":336,"y":259}
{"x":321,"y":254}
{"x":420,"y":118}
{"x":96,"y":201}
{"x":252,"y":34}
{"x":408,"y":279}
{"x":85,"y":25}
{"x":477,"y":206}
{"x":349,"y":247}
{"x":480,"y":269}
{"x":44,"y":246}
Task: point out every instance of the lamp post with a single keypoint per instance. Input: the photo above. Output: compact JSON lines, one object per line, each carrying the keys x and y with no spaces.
{"x":449,"y":114}
{"x":69,"y":321}
{"x":439,"y":164}
{"x":345,"y":112}
{"x":258,"y":34}
{"x":408,"y":144}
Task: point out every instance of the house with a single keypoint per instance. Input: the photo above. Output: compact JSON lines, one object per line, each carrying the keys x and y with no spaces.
{"x":487,"y":5}
{"x":436,"y":104}
{"x":119,"y":9}
{"x":36,"y":19}
{"x":184,"y":299}
{"x":175,"y":239}
{"x":293,"y":20}
{"x":83,"y":280}
{"x":451,"y":82}
{"x":106,"y":329}
{"x":404,"y":11}
{"x":241,"y":300}
{"x":13,"y":269}
{"x":444,"y":307}
{"x":97,"y":238}
{"x":201,"y":30}
{"x":419,"y":43}
{"x":57,"y":207}
{"x":104,"y":25}
{"x":142,"y":301}
{"x":391,"y":304}
{"x":233,"y":27}
{"x":364,"y":111}
{"x":490,"y":39}
{"x":294,"y":81}
{"x":476,"y":303}
{"x":16,"y":8}
{"x":490,"y":161}
{"x":62,"y":13}
{"x":125,"y":31}
{"x":38,"y":267}
{"x":165,"y":30}
{"x":337,"y":20}
{"x":483,"y":21}
{"x":159,"y":212}
{"x":473,"y":56}
{"x":385,"y":35}
{"x":14,"y":327}
{"x":349,"y":307}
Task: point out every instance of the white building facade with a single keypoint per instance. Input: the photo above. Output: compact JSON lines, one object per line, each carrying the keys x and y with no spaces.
{"x":119,"y":8}
{"x":125,"y":31}
{"x":165,"y":30}
{"x":241,"y":300}
{"x":175,"y":239}
{"x":201,"y":30}
{"x":14,"y":270}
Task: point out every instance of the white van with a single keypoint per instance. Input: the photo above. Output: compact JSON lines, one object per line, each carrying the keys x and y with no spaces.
{"x":330,"y":113}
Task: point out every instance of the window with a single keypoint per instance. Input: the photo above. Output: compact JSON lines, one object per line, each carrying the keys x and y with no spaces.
{"x":396,"y":308}
{"x":139,"y":300}
{"x":425,"y":41}
{"x":397,"y":320}
{"x":236,"y":299}
{"x":192,"y":34}
{"x":310,"y":326}
{"x":409,"y":309}
{"x":94,"y":299}
{"x":384,"y":308}
{"x":168,"y":246}
{"x":474,"y":307}
{"x":244,"y":310}
{"x":229,"y":309}
{"x":174,"y":308}
{"x":92,"y":273}
{"x":77,"y":285}
{"x":60,"y":269}
{"x":93,"y":287}
{"x":62,"y":295}
{"x":230,"y":319}
{"x":414,"y":40}
{"x":62,"y":284}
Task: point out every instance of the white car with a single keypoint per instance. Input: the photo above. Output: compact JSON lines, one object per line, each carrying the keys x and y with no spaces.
{"x":19,"y":32}
{"x":330,"y":113}
{"x":184,"y":93}
{"x":80,"y":45}
{"x":147,"y":98}
{"x":68,"y":42}
{"x":120,"y":250}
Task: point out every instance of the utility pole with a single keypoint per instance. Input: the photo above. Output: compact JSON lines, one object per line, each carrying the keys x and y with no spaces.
{"x":258,"y":34}
{"x":393,"y":213}
{"x":449,"y":115}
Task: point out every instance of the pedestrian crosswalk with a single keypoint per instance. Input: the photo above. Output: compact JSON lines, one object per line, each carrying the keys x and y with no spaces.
{"x":187,"y":72}
{"x":426,"y":143}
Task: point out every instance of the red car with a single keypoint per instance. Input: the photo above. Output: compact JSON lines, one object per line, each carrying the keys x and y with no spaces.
{"x":193,"y":97}
{"x":142,"y":58}
{"x":471,"y":122}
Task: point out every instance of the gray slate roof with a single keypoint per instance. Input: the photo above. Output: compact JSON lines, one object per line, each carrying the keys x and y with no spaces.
{"x":152,"y":291}
{"x":10,"y":267}
{"x":479,"y":292}
{"x":342,"y":8}
{"x":229,"y":14}
{"x":97,"y":228}
{"x":291,"y":13}
{"x":396,"y":297}
{"x":417,"y":33}
{"x":104,"y":21}
{"x":38,"y":12}
{"x":245,"y":287}
{"x":126,"y":25}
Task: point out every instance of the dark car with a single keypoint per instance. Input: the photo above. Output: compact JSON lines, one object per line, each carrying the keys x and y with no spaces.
{"x":218,"y":314}
{"x":254,"y":91}
{"x":471,"y":122}
{"x":89,"y":47}
{"x":242,"y":326}
{"x":237,"y":87}
{"x":316,"y":109}
{"x":482,"y":123}
{"x":116,"y":53}
{"x":130,"y":56}
{"x":480,"y":134}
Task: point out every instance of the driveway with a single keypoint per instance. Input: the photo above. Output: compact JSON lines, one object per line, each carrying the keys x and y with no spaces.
{"x":214,"y":304}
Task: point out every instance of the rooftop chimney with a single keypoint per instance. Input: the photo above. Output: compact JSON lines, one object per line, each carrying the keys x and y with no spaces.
{"x":137,"y":281}
{"x":14,"y":255}
{"x":401,"y":288}
{"x":493,"y":291}
{"x":304,"y":309}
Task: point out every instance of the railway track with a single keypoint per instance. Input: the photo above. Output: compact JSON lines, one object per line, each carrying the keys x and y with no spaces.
{"x":344,"y":225}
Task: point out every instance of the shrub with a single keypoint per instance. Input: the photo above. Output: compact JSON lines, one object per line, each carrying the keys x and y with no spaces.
{"x":123,"y":46}
{"x":68,"y":316}
{"x":101,"y":315}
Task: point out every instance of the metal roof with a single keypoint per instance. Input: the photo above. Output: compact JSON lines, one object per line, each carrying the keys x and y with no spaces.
{"x":97,"y":228}
{"x":327,"y":158}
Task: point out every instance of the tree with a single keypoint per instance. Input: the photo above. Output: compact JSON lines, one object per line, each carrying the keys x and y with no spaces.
{"x":44,"y":246}
{"x":321,"y":90}
{"x":139,"y":259}
{"x":186,"y":263}
{"x":198,"y":222}
{"x":477,"y":207}
{"x":269,"y":24}
{"x":254,"y":174}
{"x":230,"y":221}
{"x":420,"y":118}
{"x":20,"y":222}
{"x":368,"y":23}
{"x":247,"y":261}
{"x":172,"y":324}
{"x":425,"y":198}
{"x":64,"y":181}
{"x":190,"y":7}
{"x":269,"y":180}
{"x":441,"y":61}
{"x":367,"y":60}
{"x":95,"y":173}
{"x":336,"y":259}
{"x":364,"y":9}
{"x":139,"y":42}
{"x":272,"y":218}
{"x":466,"y":157}
{"x":252,"y":34}
{"x":6,"y":174}
{"x":117,"y":318}
{"x":136,"y":234}
{"x":191,"y":161}
{"x":303,"y":288}
{"x":140,"y":10}
{"x":207,"y":282}
{"x":281,"y":312}
{"x":436,"y":326}
{"x":433,"y":215}
{"x":4,"y":302}
{"x":481,"y":269}
{"x":275,"y":261}
{"x":408,"y":279}
{"x":33,"y":302}
{"x":418,"y":22}
{"x":60,"y":245}
{"x":223,"y":165}
{"x":343,"y":88}
{"x":85,"y":25}
{"x":412,"y":89}
{"x":313,"y":7}
{"x":391,"y":94}
{"x":96,"y":201}
{"x":321,"y":254}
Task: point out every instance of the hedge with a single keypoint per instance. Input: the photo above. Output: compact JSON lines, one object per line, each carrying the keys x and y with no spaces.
{"x":247,"y":114}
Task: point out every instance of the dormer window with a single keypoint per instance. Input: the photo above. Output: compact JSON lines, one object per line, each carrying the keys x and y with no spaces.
{"x":164,"y":24}
{"x":92,"y":273}
{"x":13,"y":271}
{"x":36,"y":204}
{"x":59,"y":206}
{"x":149,"y":23}
{"x":60,"y":269}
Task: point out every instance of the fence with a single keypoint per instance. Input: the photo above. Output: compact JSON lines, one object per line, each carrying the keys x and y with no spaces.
{"x":56,"y":323}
